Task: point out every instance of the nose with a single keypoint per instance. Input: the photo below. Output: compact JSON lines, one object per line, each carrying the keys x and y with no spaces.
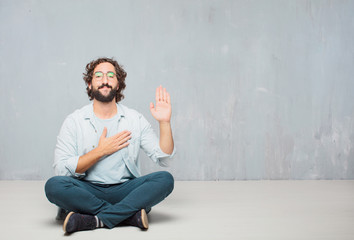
{"x":105,"y":78}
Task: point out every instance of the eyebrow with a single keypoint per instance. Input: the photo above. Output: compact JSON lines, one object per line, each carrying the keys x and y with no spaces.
{"x":106,"y":72}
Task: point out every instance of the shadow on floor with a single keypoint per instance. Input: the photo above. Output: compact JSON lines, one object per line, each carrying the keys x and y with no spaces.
{"x":158,"y":217}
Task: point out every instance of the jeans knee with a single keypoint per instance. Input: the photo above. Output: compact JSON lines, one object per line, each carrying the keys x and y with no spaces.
{"x":167,"y":180}
{"x":53,"y":185}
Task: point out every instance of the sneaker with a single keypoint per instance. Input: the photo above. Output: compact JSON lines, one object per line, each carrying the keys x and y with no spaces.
{"x":79,"y":222}
{"x":139,"y":220}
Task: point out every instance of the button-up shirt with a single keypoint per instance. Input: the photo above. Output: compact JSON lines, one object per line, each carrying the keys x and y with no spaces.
{"x":79,"y":135}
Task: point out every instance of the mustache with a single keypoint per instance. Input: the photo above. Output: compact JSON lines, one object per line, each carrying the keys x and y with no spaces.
{"x":105,"y":85}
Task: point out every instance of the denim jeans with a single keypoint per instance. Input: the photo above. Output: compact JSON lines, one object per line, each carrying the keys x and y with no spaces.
{"x":110,"y":203}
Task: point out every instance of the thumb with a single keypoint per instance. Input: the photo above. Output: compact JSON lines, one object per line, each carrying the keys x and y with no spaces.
{"x":151,"y":106}
{"x":104,"y":133}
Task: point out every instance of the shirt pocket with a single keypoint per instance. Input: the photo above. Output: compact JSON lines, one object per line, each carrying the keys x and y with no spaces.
{"x":90,"y":142}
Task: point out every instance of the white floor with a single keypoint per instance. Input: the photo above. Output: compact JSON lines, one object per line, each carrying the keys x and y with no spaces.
{"x":202,"y":210}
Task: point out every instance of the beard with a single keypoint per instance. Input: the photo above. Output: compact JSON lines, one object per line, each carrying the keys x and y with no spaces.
{"x":96,"y":94}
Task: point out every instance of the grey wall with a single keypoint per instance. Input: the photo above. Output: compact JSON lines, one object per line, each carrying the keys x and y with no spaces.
{"x":260,"y":89}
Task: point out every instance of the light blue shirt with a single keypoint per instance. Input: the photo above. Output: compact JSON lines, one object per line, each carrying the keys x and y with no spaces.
{"x":79,"y":134}
{"x":104,"y":171}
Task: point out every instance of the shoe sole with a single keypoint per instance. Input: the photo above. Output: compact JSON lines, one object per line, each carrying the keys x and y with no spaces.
{"x":144,"y":219}
{"x":66,"y":220}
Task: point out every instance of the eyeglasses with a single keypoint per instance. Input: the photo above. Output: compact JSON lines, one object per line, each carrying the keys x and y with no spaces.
{"x":99,"y":75}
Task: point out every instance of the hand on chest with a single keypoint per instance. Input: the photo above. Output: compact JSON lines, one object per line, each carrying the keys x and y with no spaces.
{"x":93,"y":134}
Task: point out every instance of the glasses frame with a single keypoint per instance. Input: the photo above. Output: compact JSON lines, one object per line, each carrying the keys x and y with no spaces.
{"x":103,"y":74}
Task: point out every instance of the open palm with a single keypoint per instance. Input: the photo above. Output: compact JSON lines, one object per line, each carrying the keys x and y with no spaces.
{"x":162,"y":111}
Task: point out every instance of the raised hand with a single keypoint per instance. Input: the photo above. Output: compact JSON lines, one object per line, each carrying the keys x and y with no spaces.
{"x":162,"y":111}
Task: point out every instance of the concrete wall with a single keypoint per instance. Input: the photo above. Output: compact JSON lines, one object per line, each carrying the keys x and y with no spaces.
{"x":260,"y":89}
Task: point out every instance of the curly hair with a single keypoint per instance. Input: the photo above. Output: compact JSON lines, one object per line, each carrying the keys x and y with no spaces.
{"x":121,"y":75}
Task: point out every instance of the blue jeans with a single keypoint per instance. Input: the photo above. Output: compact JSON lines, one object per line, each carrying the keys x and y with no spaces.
{"x":110,"y":203}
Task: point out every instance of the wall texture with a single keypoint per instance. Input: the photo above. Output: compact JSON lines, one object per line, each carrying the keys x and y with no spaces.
{"x":260,"y":89}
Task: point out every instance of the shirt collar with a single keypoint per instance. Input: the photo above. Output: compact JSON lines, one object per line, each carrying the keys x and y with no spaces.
{"x":89,"y":114}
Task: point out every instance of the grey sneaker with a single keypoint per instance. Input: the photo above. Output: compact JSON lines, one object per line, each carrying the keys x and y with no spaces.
{"x":79,"y":222}
{"x":139,"y":220}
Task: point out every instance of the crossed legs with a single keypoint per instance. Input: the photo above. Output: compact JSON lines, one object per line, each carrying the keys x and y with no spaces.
{"x":112,"y":204}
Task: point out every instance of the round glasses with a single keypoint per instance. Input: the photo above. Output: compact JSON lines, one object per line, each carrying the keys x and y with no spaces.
{"x":99,"y":75}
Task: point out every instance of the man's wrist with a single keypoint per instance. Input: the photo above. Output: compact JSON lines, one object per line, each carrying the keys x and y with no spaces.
{"x":165,"y":123}
{"x":99,"y":151}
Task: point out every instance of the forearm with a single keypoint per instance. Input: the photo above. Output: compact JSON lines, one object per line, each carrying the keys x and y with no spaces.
{"x":166,"y":139}
{"x":88,"y":160}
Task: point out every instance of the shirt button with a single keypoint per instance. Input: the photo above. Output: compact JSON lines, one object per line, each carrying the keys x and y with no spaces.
{"x":93,"y":146}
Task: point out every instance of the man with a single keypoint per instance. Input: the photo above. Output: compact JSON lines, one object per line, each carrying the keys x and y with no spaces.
{"x":96,"y":157}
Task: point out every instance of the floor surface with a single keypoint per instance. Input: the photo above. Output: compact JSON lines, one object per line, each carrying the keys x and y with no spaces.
{"x":202,"y":210}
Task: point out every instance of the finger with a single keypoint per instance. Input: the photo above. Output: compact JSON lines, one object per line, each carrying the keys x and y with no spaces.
{"x":151,"y":106}
{"x":121,"y":134}
{"x":168,"y":100}
{"x":164,"y":95}
{"x":160,"y":90}
{"x":125,"y":135}
{"x":157,"y":95}
{"x":124,"y":140}
{"x":123,"y":146}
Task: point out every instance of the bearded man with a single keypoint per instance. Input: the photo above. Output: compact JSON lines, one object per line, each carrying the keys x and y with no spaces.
{"x":98,"y":180}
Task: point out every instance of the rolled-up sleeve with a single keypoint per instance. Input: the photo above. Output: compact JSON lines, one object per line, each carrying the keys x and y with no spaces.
{"x":66,"y":155}
{"x":151,"y":146}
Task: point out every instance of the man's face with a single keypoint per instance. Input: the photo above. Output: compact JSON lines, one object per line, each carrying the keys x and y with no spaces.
{"x":104,"y":82}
